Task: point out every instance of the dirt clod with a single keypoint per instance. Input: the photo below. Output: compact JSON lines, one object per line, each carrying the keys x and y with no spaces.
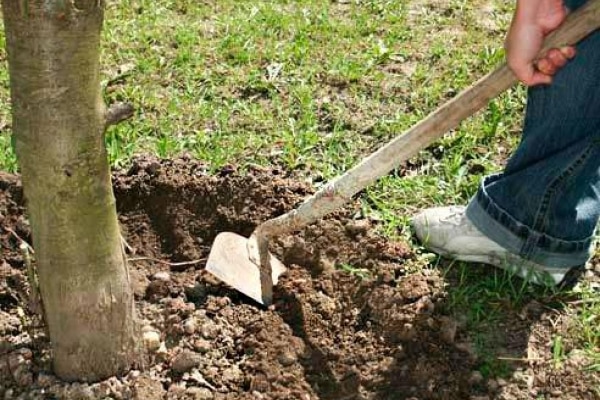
{"x":448,"y":328}
{"x":351,"y":320}
{"x":185,"y":361}
{"x":209,"y":330}
{"x":146,"y":388}
{"x":358,"y":227}
{"x":287,"y":358}
{"x":139,"y":283}
{"x":195,"y":393}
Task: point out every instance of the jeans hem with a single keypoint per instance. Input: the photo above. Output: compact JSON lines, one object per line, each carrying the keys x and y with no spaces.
{"x":516,"y":237}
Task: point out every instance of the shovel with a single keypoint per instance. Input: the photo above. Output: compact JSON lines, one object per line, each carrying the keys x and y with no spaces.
{"x":247,"y":265}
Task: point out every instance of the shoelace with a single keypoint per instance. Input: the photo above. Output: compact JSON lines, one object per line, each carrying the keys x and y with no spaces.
{"x":455,"y":218}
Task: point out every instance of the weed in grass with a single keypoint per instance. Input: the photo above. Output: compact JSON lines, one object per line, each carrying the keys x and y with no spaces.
{"x":558,"y":350}
{"x":362,"y":273}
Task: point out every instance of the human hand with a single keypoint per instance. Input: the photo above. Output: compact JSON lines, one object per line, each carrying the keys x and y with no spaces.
{"x":532,"y":22}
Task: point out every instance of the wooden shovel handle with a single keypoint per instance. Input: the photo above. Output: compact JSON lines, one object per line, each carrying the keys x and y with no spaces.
{"x":333,"y":195}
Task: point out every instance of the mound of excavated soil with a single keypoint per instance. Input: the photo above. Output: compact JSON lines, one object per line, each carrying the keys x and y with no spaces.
{"x":350,"y":321}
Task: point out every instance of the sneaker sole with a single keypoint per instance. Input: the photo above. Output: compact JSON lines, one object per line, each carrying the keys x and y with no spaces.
{"x":525,"y":271}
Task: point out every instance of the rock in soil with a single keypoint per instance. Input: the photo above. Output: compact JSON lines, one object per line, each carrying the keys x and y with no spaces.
{"x":162,"y":276}
{"x":151,"y":340}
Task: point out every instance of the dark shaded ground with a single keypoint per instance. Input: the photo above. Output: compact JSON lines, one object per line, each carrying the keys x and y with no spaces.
{"x":380,"y":332}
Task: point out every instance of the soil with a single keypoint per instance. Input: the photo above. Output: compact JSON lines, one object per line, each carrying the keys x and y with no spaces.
{"x":352,"y":318}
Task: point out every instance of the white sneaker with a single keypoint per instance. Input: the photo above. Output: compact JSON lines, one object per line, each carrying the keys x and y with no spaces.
{"x":447,"y":232}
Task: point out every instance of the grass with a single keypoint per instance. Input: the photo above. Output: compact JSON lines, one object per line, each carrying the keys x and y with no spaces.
{"x":485,"y":301}
{"x":585,"y":326}
{"x":313,"y":87}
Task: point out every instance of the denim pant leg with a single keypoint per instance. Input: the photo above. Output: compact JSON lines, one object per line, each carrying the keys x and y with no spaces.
{"x":546,"y":203}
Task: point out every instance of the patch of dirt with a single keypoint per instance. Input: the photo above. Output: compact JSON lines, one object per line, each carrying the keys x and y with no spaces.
{"x":349,"y":321}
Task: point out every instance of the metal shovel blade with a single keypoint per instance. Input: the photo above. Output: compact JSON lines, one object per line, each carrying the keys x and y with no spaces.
{"x":230,"y":261}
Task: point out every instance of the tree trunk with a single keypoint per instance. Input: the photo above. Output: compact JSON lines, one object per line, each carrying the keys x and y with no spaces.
{"x":58,"y":123}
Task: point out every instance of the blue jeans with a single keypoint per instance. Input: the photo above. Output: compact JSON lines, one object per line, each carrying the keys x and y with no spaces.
{"x":545,"y":205}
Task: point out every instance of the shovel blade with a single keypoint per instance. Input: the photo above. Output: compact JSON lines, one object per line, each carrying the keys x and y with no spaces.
{"x":230,"y":261}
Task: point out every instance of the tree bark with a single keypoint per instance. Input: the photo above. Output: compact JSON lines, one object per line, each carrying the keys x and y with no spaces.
{"x":58,"y":123}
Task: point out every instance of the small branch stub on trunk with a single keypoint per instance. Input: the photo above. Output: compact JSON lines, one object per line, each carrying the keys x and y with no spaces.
{"x":119,"y":112}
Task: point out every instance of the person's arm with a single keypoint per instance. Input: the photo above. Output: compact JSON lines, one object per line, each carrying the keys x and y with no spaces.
{"x":532,"y":22}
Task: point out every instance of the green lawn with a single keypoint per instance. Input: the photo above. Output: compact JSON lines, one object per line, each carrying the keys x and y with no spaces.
{"x":313,"y":86}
